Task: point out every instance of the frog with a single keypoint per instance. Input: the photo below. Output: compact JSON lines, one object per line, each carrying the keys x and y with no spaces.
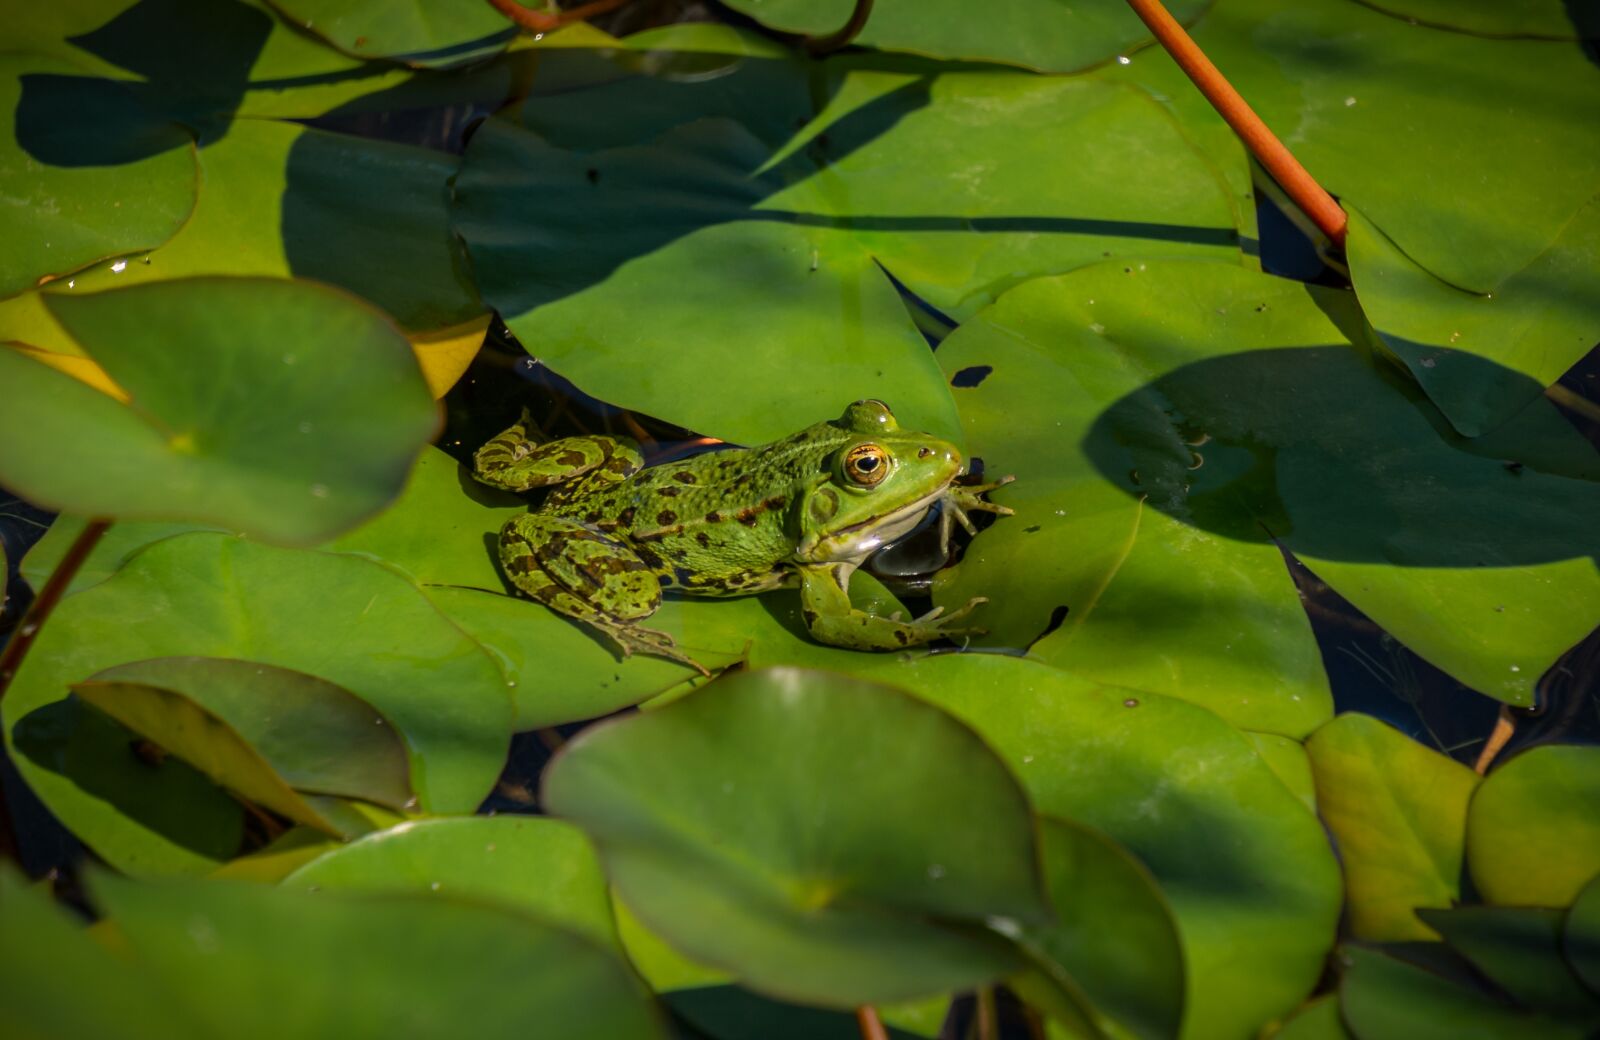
{"x":612,"y":535}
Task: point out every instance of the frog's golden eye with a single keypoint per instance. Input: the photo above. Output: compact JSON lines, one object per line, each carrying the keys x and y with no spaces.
{"x":866,"y":464}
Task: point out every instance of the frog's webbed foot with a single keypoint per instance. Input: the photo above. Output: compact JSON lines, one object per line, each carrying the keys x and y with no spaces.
{"x":636,"y":639}
{"x":959,"y":500}
{"x":515,"y":461}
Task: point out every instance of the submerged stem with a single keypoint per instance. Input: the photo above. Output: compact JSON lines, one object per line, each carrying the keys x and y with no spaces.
{"x":544,"y":21}
{"x":820,"y":45}
{"x":871,"y":1025}
{"x":54,"y":588}
{"x":1299,"y":185}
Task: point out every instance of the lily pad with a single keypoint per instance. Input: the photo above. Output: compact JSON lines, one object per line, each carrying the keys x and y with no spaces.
{"x":1398,"y":813}
{"x":267,"y":733}
{"x":1114,"y":940}
{"x":1533,"y":830}
{"x":1519,"y":949}
{"x":417,"y":32}
{"x":1318,"y":1020}
{"x":1047,"y":35}
{"x":1581,"y":935}
{"x":544,"y":867}
{"x":1245,"y":868}
{"x":254,"y":961}
{"x":1382,"y":996}
{"x":80,"y":182}
{"x":349,"y":621}
{"x":758,"y":826}
{"x":1539,"y":19}
{"x":225,"y":425}
{"x":767,"y":214}
{"x":1204,"y":416}
{"x":1531,"y":326}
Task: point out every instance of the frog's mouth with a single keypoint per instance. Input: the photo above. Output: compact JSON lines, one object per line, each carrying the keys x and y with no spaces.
{"x":855,"y":542}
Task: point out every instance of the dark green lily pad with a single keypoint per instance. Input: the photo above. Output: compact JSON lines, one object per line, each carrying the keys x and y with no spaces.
{"x":1581,"y":935}
{"x":1518,"y":948}
{"x":1533,"y":830}
{"x":347,"y":620}
{"x":81,"y":181}
{"x":1398,"y":813}
{"x":1205,"y":415}
{"x":268,"y":733}
{"x":417,"y":32}
{"x":1114,"y":944}
{"x":1246,"y":869}
{"x":542,"y":866}
{"x":760,"y":826}
{"x":1318,"y":1020}
{"x":1382,"y":996}
{"x":281,"y":409}
{"x":1541,"y":19}
{"x":253,"y":961}
{"x":742,"y":222}
{"x":1046,"y":35}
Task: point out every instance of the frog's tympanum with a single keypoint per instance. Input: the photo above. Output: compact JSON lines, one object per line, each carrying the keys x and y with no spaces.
{"x":806,"y":511}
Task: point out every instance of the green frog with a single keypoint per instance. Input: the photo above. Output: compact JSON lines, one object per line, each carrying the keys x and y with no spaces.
{"x":807,"y":510}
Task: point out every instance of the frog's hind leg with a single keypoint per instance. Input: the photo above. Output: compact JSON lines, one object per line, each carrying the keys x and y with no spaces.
{"x":577,"y":571}
{"x":516,"y":461}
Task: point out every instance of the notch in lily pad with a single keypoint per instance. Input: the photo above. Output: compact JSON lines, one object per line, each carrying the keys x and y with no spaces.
{"x":287,"y":741}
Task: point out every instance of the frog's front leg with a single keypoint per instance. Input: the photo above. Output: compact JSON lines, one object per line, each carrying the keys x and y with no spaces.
{"x":515,"y":461}
{"x":825,"y":605}
{"x":578,"y":571}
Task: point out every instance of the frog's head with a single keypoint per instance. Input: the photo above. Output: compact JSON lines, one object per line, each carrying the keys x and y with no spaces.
{"x":875,"y":484}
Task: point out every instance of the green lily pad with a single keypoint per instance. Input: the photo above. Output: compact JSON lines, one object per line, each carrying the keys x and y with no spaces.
{"x":1519,"y":949}
{"x":1114,"y":941}
{"x":1541,"y":19}
{"x":1398,"y":813}
{"x":1318,"y":1020}
{"x":1205,"y":415}
{"x":745,"y":223}
{"x":1532,"y":326}
{"x":267,"y":733}
{"x":45,"y":958}
{"x":417,"y":32}
{"x":1581,"y":936}
{"x":542,"y":866}
{"x":347,"y":620}
{"x":757,"y":826}
{"x":254,"y":961}
{"x":1289,"y":760}
{"x":1533,"y":830}
{"x":292,"y":444}
{"x":1382,"y":996}
{"x":279,"y":858}
{"x":282,"y":200}
{"x":1046,"y":35}
{"x":80,"y":182}
{"x":1245,"y":868}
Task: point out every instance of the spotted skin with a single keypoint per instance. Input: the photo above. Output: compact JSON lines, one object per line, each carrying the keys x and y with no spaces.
{"x":804,"y":511}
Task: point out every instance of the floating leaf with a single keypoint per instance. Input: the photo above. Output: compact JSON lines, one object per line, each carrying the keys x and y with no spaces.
{"x":1289,"y":760}
{"x":1544,"y":19}
{"x":1204,"y":415}
{"x":279,"y":858}
{"x":542,"y":866}
{"x":267,"y":733}
{"x":350,"y":621}
{"x":226,"y":424}
{"x":1398,"y":813}
{"x":252,"y":961}
{"x":758,"y":825}
{"x":1533,"y":831}
{"x":1382,"y":997}
{"x":81,"y":181}
{"x":1318,"y":1020}
{"x":1581,"y":936}
{"x":417,"y":32}
{"x":1246,"y":869}
{"x":1530,"y":327}
{"x":1114,"y":939}
{"x":444,"y":354}
{"x":803,"y":218}
{"x":1038,"y":34}
{"x":1519,"y":949}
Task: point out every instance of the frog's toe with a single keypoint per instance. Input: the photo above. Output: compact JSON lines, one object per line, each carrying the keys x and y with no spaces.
{"x":638,"y":639}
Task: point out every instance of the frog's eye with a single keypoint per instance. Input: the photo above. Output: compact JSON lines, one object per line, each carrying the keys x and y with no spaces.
{"x":866,"y":464}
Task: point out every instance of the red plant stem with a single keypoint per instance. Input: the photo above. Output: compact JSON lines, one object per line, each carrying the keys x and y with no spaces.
{"x":988,"y":1015}
{"x":1505,"y":727}
{"x":849,"y":31}
{"x":54,"y":588}
{"x":871,"y":1025}
{"x":1299,"y":185}
{"x":543,"y":22}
